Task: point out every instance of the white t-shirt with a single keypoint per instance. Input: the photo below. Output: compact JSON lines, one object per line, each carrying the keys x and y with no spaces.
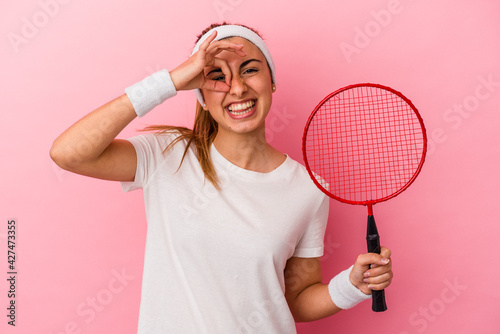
{"x":215,"y":260}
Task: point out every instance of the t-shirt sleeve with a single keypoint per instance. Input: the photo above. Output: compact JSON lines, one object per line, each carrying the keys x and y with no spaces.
{"x":149,"y":149}
{"x":311,"y":243}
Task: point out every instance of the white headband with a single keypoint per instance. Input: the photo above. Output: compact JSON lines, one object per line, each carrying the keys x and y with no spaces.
{"x":227,"y":31}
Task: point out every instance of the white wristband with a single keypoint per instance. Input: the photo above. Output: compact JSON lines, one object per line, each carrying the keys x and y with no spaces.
{"x":343,"y":293}
{"x":150,"y":92}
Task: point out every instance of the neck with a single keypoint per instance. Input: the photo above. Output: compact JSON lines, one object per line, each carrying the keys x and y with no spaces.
{"x":249,"y":151}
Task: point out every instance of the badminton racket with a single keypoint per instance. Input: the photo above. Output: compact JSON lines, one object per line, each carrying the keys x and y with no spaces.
{"x":364,"y":144}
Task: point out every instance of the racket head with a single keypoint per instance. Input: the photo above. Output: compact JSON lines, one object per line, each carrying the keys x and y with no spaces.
{"x":364,"y":144}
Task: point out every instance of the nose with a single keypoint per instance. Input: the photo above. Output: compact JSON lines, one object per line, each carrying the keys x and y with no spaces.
{"x":238,"y":86}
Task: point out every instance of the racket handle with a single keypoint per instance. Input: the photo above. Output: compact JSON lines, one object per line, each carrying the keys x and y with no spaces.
{"x":373,"y":243}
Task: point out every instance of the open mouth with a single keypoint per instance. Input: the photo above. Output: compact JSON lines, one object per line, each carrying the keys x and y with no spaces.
{"x":241,"y":108}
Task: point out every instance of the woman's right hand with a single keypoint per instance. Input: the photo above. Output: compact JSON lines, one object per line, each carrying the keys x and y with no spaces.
{"x":190,"y":74}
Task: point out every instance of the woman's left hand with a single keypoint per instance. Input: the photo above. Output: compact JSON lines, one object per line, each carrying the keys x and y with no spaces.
{"x":378,"y":277}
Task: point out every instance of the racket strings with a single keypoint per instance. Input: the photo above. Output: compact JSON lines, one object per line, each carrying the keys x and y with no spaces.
{"x":366,"y":143}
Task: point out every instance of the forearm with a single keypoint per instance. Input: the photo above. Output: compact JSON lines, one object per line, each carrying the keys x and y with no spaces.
{"x":313,"y":303}
{"x":87,"y":139}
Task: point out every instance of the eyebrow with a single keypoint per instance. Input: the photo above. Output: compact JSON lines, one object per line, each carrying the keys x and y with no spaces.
{"x":245,"y":63}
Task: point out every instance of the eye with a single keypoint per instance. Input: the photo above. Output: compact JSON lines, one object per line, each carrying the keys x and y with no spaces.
{"x":216,"y":75}
{"x":250,"y":70}
{"x":219,"y":77}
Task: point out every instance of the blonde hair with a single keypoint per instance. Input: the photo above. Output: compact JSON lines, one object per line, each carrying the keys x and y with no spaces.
{"x":202,"y":135}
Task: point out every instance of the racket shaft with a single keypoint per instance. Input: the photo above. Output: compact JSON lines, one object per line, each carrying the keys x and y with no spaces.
{"x":373,"y":245}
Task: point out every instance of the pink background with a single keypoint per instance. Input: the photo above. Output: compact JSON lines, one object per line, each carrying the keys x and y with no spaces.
{"x":62,"y":59}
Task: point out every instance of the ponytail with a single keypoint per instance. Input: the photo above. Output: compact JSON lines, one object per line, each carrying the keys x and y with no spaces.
{"x":202,"y":136}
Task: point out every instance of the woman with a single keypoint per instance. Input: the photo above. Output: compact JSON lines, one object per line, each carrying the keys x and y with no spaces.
{"x":235,"y":227}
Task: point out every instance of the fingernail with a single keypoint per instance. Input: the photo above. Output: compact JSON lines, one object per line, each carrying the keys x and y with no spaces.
{"x":365,"y":280}
{"x":384,"y":261}
{"x":370,"y":286}
{"x":367,"y":274}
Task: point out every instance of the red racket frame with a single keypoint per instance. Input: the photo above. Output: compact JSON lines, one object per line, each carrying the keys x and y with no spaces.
{"x":370,"y":202}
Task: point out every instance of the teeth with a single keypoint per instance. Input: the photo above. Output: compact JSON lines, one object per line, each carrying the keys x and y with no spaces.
{"x":239,"y":113}
{"x":235,"y":107}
